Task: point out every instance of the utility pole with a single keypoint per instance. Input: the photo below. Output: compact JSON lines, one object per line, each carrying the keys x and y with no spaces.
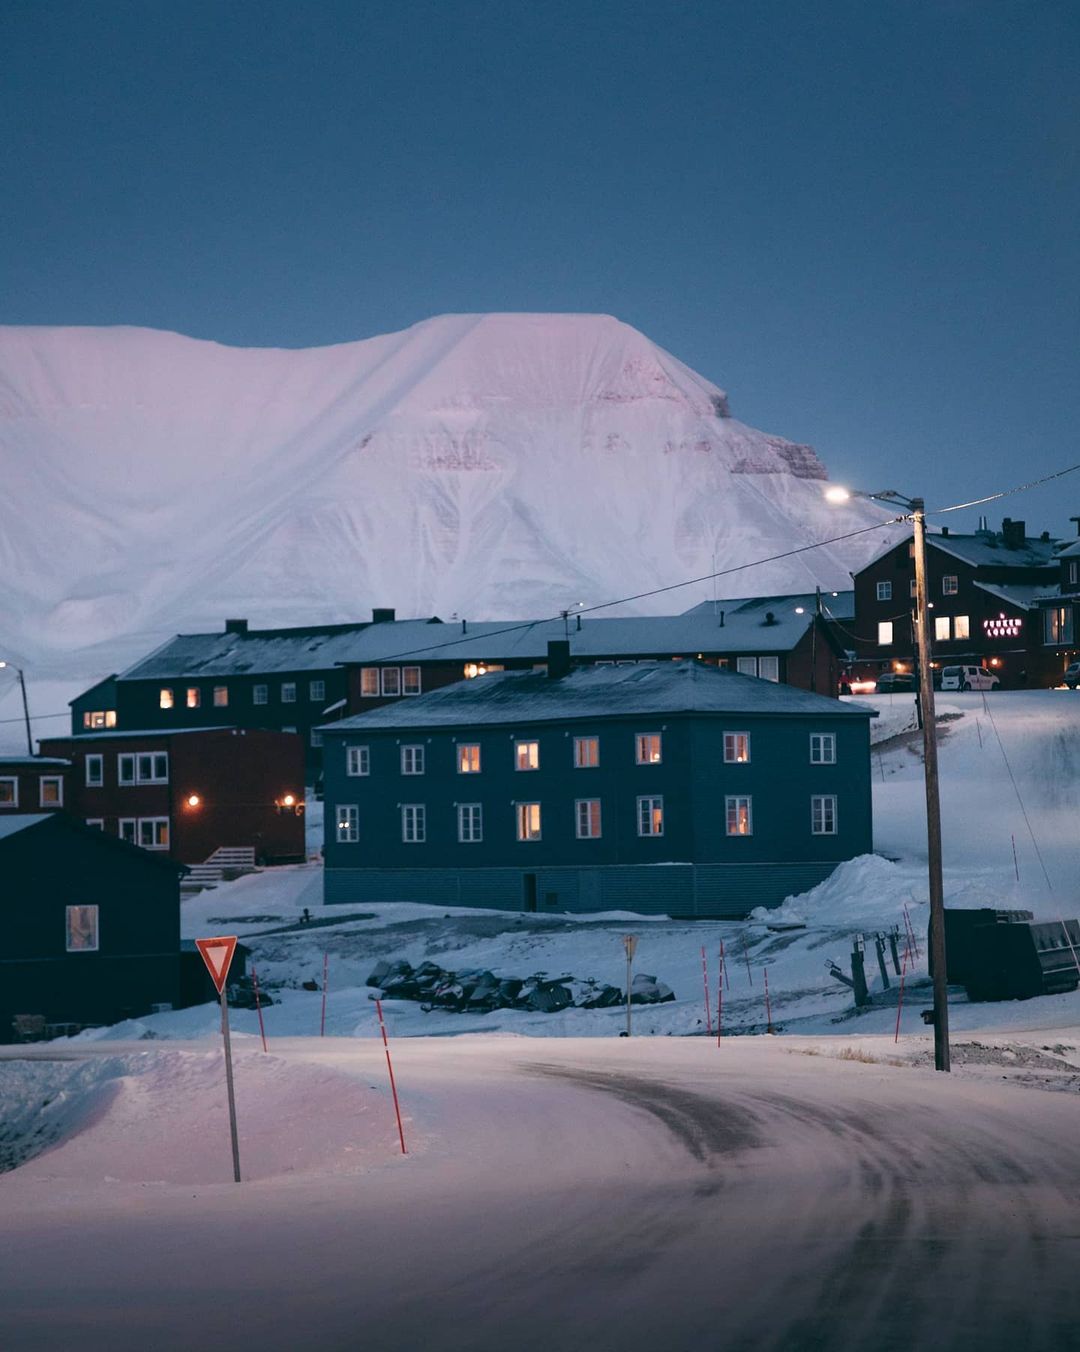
{"x":25,"y":708}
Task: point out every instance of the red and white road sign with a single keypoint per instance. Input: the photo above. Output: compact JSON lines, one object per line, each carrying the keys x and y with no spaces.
{"x":218,"y":956}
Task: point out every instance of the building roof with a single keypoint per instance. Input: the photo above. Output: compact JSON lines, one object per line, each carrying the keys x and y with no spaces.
{"x":985,"y":549}
{"x":117,"y":734}
{"x":32,"y":760}
{"x":646,"y":688}
{"x":61,"y":821}
{"x":1016,"y":594}
{"x":254,"y":651}
{"x":21,"y":821}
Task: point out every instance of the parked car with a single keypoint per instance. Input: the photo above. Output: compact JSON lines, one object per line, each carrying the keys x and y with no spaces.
{"x":1072,"y":675}
{"x":895,"y":682}
{"x":968,"y":678}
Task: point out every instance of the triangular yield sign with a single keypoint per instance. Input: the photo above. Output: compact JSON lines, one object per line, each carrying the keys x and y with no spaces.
{"x":218,"y":955}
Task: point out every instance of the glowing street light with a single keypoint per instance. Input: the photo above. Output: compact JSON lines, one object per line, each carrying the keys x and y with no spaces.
{"x":915,"y":512}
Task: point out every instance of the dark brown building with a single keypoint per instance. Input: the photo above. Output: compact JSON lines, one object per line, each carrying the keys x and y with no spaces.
{"x":33,"y":784}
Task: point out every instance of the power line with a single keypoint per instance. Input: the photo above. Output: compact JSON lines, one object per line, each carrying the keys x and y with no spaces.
{"x":1005,"y":493}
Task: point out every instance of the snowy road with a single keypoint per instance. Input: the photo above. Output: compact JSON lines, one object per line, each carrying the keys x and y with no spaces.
{"x":577,"y":1194}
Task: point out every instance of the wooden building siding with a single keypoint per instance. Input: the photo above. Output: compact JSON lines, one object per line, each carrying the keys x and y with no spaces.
{"x":22,"y":789}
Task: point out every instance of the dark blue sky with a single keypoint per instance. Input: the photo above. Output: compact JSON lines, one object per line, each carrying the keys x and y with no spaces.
{"x":862,"y":219}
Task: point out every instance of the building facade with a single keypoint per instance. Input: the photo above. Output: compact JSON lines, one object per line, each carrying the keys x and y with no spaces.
{"x":672,"y":788}
{"x":33,"y":784}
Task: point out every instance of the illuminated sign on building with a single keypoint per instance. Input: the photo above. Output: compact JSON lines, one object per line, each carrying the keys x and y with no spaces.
{"x":1004,"y":626}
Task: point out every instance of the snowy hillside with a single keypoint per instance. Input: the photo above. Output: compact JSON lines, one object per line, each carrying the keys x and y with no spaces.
{"x":488,"y":465}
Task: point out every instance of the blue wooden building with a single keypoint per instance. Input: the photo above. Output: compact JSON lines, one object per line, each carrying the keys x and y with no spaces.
{"x":668,"y":787}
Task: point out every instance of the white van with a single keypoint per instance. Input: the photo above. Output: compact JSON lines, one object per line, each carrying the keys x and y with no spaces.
{"x":968,"y":678}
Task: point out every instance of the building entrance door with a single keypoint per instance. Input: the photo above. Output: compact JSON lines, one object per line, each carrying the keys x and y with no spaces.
{"x":529,"y":884}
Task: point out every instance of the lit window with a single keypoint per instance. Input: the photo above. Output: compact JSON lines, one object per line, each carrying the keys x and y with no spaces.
{"x":410,"y":680}
{"x":647,"y":748}
{"x":526,"y":755}
{"x":357,"y":760}
{"x":412,"y":760}
{"x":1058,"y":624}
{"x":884,"y":632}
{"x":586,"y":753}
{"x":9,"y":791}
{"x":127,"y":829}
{"x":740,"y":820}
{"x":823,"y":814}
{"x":884,"y":591}
{"x":468,"y":758}
{"x":470,"y":823}
{"x":95,"y":771}
{"x":82,"y":929}
{"x":650,"y":816}
{"x":347,"y":824}
{"x":961,"y":627}
{"x":913,"y":589}
{"x":194,"y":697}
{"x":221,"y":696}
{"x":391,"y":680}
{"x":369,"y":682}
{"x":942,"y":628}
{"x":413,"y":823}
{"x":165,"y":698}
{"x":474,"y":669}
{"x":51,"y":789}
{"x":260,"y":694}
{"x":528,"y":821}
{"x":99,"y":718}
{"x":950,"y":584}
{"x":316,"y":691}
{"x":288,"y":692}
{"x":154,"y":833}
{"x":736,"y":747}
{"x":823,"y":748}
{"x":587,"y":814}
{"x":769,"y":668}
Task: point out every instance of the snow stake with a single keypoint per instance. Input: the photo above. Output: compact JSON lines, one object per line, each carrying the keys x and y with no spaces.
{"x":705,"y":978}
{"x":768,"y":1007}
{"x":720,"y":996}
{"x":1016,"y":865}
{"x":390,"y":1068}
{"x":218,"y":955}
{"x":746,"y":955}
{"x":258,"y":1005}
{"x":914,"y":937}
{"x":900,"y":1000}
{"x":325,"y":966}
{"x":630,"y":944}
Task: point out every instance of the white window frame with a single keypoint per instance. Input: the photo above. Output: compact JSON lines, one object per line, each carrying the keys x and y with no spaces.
{"x":527,"y":754}
{"x":942,"y":628}
{"x":950,"y":584}
{"x":13,"y":781}
{"x":413,"y":823}
{"x":97,"y":760}
{"x":642,"y":748}
{"x":884,"y":591}
{"x":346,"y":824}
{"x":470,"y":823}
{"x":369,"y":682}
{"x":316,"y":737}
{"x":411,"y":683}
{"x":769,"y":668}
{"x":885,"y":633}
{"x":734,"y":742}
{"x":288,"y":692}
{"x":733,"y":807}
{"x":584,"y":749}
{"x":746,"y":666}
{"x":588,"y":813}
{"x":193,"y":697}
{"x":260,"y":694}
{"x":412,"y":758}
{"x":523,"y":817}
{"x":823,"y":748}
{"x":316,"y":691}
{"x":155,"y":824}
{"x":98,"y":822}
{"x":133,"y":761}
{"x":961,"y":626}
{"x":390,"y":681}
{"x":1074,"y":570}
{"x":823,"y":814}
{"x":357,"y":760}
{"x":648,"y":804}
{"x":90,"y":914}
{"x":58,"y":801}
{"x":465,"y":756}
{"x":131,"y":835}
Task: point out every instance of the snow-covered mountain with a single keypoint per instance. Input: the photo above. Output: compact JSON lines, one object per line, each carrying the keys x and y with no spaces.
{"x":486,"y":465}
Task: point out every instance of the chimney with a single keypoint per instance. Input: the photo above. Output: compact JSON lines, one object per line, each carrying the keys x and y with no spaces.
{"x":944,"y":530}
{"x":236,"y":626}
{"x":382,"y":615}
{"x":1013,"y":533}
{"x":770,"y":618}
{"x":558,"y":658}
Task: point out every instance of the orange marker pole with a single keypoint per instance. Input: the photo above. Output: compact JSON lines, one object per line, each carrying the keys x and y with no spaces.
{"x":390,"y":1068}
{"x":705,"y":979}
{"x":720,"y":997}
{"x":325,"y":966}
{"x":258,"y":1006}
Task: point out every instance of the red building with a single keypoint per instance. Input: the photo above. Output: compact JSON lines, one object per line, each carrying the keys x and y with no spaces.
{"x":190,"y":793}
{"x":33,"y":784}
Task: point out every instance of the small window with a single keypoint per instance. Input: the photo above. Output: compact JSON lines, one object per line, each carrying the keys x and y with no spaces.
{"x":950,"y":584}
{"x":884,"y":633}
{"x":391,"y":680}
{"x":823,"y":748}
{"x":165,"y":698}
{"x":147,"y":767}
{"x":586,"y":753}
{"x":357,"y":760}
{"x":9,"y":791}
{"x":316,"y":691}
{"x":288,"y":692}
{"x":746,"y":666}
{"x":884,"y":591}
{"x":82,"y":929}
{"x":736,"y":747}
{"x":347,"y":823}
{"x":95,"y":771}
{"x":526,"y":755}
{"x":260,"y":694}
{"x":51,"y":791}
{"x":128,"y":829}
{"x":413,"y":823}
{"x":740,"y":820}
{"x":769,"y":668}
{"x":468,"y":758}
{"x":316,"y":737}
{"x":470,"y":823}
{"x":911,"y":549}
{"x":369,"y":682}
{"x":942,"y":628}
{"x":412,"y":760}
{"x":913,"y":589}
{"x":410,"y":680}
{"x":193,"y":697}
{"x":154,"y":833}
{"x":823,"y":814}
{"x":99,"y":718}
{"x":650,"y":816}
{"x":647,"y":748}
{"x":1072,"y":572}
{"x":961,"y":626}
{"x":587,"y":817}
{"x":221,"y":696}
{"x":125,"y":768}
{"x":528,"y":821}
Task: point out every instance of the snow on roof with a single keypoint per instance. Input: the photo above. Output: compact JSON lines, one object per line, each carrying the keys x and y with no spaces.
{"x":113,"y":734}
{"x":257,"y":651}
{"x":654,"y":688}
{"x":1017,"y":594}
{"x":21,"y":821}
{"x":33,"y":760}
{"x":990,"y":551}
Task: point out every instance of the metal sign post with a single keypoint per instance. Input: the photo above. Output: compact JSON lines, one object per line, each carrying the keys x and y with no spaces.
{"x":630,"y":944}
{"x":218,"y":956}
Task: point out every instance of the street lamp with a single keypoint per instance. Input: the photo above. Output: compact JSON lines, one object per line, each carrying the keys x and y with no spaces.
{"x":26,"y":712}
{"x":915,"y":512}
